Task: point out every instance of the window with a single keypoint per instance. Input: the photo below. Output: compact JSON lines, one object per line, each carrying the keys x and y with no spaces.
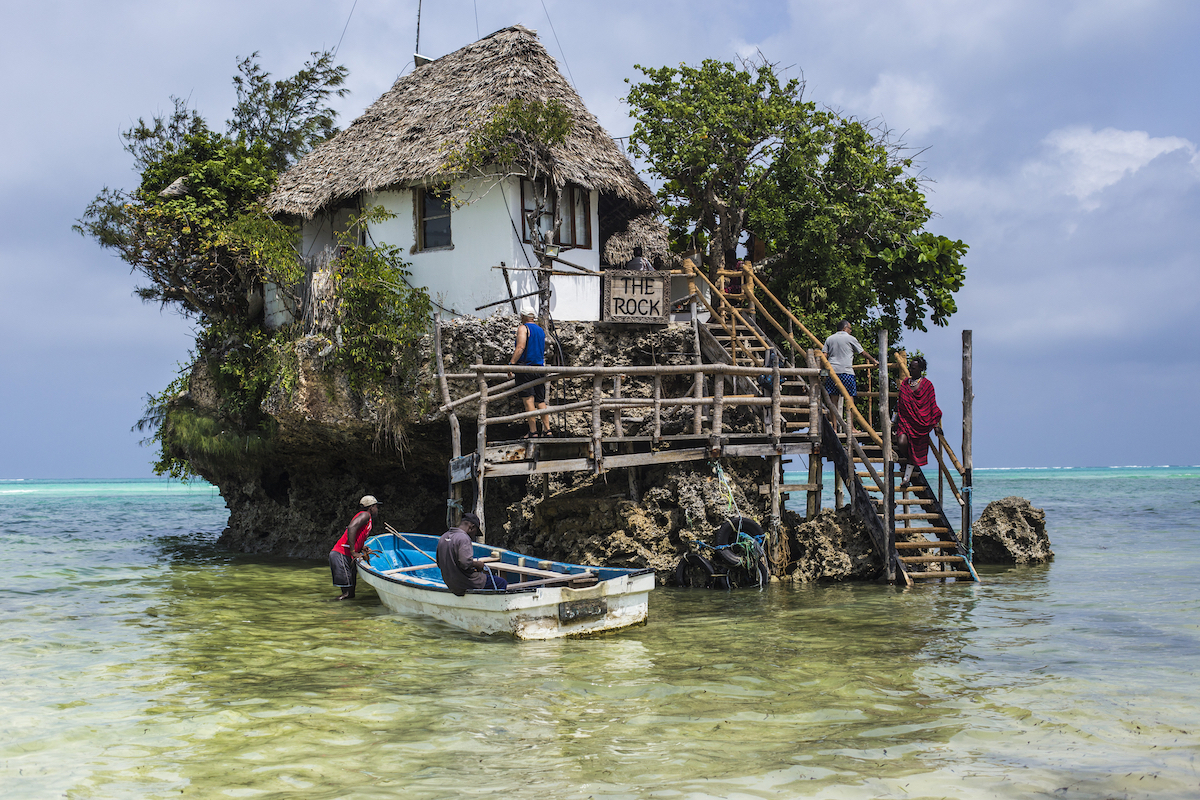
{"x":576,"y":230}
{"x":433,"y":219}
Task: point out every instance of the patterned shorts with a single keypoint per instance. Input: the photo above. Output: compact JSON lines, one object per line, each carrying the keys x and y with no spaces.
{"x":847,"y":381}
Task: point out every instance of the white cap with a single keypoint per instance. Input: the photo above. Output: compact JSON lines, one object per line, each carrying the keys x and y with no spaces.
{"x":527,"y":310}
{"x":368,"y":501}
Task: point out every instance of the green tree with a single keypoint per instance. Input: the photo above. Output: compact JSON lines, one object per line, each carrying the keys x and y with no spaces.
{"x":712,"y":134}
{"x":842,"y":217}
{"x":196,"y":230}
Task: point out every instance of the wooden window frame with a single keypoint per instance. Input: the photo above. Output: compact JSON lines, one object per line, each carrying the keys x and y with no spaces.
{"x":571,"y":191}
{"x":421,"y":219}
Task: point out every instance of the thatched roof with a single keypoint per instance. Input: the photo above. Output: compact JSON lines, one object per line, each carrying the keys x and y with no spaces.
{"x":645,"y":232}
{"x":405,"y":135}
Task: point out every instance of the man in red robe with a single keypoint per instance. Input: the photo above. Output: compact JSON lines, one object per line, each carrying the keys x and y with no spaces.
{"x":916,"y":415}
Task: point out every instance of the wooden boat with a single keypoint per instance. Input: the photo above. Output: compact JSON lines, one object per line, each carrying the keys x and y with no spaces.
{"x":544,"y":600}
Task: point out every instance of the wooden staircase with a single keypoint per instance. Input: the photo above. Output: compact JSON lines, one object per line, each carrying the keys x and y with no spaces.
{"x":922,"y":544}
{"x":926,"y":545}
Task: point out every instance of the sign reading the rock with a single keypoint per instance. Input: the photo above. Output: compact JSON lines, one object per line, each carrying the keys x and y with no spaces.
{"x":636,"y":296}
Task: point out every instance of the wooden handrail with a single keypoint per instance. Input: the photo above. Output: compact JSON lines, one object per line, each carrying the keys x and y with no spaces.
{"x":949,"y":478}
{"x":735,"y":312}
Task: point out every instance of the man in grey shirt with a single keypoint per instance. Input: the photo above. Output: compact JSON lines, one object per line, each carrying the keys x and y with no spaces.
{"x":456,"y":559}
{"x":841,"y":348}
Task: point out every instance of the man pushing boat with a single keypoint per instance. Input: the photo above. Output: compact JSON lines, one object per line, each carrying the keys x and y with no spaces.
{"x":342,"y":557}
{"x":456,"y":559}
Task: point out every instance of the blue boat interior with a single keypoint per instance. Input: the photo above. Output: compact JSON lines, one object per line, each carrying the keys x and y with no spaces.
{"x":396,"y":551}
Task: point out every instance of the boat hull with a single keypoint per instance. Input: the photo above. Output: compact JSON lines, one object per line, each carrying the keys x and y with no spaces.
{"x":617,"y":600}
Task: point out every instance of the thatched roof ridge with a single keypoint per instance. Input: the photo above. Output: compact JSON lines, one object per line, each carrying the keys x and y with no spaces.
{"x":646,"y":232}
{"x":403,"y":138}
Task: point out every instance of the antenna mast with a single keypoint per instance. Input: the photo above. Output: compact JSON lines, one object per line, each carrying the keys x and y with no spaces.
{"x":418,"y":27}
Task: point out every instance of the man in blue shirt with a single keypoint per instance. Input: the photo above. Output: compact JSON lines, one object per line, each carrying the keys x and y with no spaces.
{"x":530,"y":350}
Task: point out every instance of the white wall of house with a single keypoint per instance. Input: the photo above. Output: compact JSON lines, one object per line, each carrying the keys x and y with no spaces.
{"x":485,"y":232}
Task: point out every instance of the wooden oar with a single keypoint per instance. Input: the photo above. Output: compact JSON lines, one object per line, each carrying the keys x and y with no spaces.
{"x":404,"y":538}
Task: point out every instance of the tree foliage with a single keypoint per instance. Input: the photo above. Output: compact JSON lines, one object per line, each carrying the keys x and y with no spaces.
{"x":844,"y":218}
{"x":380,"y":315}
{"x":834,"y":201}
{"x":518,"y":138}
{"x":712,"y":135}
{"x":194,"y":226}
{"x":196,"y":230}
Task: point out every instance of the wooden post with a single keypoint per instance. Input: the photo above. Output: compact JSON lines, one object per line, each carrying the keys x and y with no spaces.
{"x":850,"y":456}
{"x":815,"y":465}
{"x":698,"y":383}
{"x":619,"y":429}
{"x":481,"y":449}
{"x":776,"y":404}
{"x":838,"y":492}
{"x":718,"y":406}
{"x":774,"y":546}
{"x":889,"y":497}
{"x":748,"y":284}
{"x":967,"y":421}
{"x":657,"y":407}
{"x":597,"y":385}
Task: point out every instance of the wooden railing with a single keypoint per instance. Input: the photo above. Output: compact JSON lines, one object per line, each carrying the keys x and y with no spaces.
{"x":616,"y":401}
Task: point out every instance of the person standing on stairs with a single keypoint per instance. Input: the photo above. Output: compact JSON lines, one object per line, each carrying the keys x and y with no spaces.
{"x":841,"y":348}
{"x":530,"y":350}
{"x":916,"y":415}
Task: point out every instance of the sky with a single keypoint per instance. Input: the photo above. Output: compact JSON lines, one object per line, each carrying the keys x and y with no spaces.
{"x":1059,"y":139}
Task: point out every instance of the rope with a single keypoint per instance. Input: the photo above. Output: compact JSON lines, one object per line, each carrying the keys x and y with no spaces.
{"x":733,"y":509}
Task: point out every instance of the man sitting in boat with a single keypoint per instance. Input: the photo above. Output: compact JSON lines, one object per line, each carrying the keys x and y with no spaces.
{"x":456,"y":559}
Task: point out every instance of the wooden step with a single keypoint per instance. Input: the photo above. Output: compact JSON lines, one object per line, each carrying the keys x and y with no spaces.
{"x":918,"y":516}
{"x":938,"y":575}
{"x":927,"y":545}
{"x":922,"y":530}
{"x":931,"y":559}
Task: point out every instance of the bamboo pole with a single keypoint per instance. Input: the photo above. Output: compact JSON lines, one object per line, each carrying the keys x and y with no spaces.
{"x":968,"y":422}
{"x":618,"y":428}
{"x":776,"y":402}
{"x":698,"y":380}
{"x":718,"y":405}
{"x":455,"y":433}
{"x":597,"y":385}
{"x":815,"y":463}
{"x":657,"y":407}
{"x":480,"y":453}
{"x":774,"y":546}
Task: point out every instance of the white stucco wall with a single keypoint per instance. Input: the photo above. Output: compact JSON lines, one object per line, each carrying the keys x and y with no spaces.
{"x":461,"y":278}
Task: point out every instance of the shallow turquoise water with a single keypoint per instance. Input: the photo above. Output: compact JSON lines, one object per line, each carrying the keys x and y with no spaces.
{"x":140,"y":661}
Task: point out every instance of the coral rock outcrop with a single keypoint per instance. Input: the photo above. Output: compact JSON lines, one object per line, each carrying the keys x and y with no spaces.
{"x":1011,"y":531}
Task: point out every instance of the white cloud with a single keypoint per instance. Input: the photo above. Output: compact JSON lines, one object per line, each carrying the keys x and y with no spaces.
{"x":906,"y":105}
{"x":1084,"y":162}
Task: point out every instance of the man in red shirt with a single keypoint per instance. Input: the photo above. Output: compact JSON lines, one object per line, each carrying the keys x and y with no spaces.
{"x":342,"y":557}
